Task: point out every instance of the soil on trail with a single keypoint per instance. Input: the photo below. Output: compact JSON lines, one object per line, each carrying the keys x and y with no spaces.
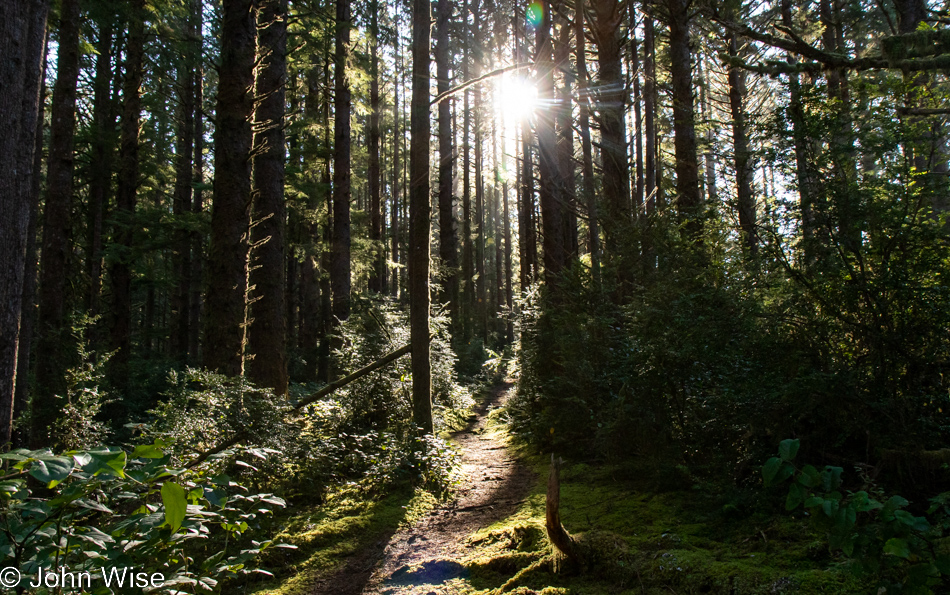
{"x":425,"y":554}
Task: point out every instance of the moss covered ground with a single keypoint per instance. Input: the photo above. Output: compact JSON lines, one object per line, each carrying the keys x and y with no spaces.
{"x":638,"y":535}
{"x":329,"y":535}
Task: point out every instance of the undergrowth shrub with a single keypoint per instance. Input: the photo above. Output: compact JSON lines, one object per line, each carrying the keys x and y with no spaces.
{"x":361,"y":433}
{"x":105,"y":509}
{"x":876,"y":535}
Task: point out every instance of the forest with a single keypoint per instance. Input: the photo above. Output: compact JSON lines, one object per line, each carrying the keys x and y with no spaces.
{"x":473,"y":297}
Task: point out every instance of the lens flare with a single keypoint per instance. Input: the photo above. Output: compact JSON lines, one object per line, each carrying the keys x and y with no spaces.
{"x":517,"y":97}
{"x":535,"y":13}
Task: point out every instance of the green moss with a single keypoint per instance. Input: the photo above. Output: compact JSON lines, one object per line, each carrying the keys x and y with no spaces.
{"x":326,"y":535}
{"x":640,"y":540}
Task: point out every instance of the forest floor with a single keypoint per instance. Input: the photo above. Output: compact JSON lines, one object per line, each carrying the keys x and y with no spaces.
{"x":643,"y":535}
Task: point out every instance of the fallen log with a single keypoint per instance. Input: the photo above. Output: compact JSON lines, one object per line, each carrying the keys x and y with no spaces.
{"x":316,"y":396}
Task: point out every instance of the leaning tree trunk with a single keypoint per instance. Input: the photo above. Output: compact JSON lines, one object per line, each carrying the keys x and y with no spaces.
{"x":51,"y":368}
{"x":419,"y":220}
{"x":230,"y":211}
{"x":22,"y":36}
{"x":267,"y":333}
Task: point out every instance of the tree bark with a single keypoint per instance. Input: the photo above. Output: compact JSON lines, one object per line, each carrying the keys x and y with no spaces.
{"x":197,"y":239}
{"x":102,"y":157}
{"x":688,"y":200}
{"x":397,"y":189}
{"x":551,"y":183}
{"x":587,"y":164}
{"x":448,"y":236}
{"x":21,"y":400}
{"x":376,"y":222}
{"x":184,"y":176}
{"x":230,"y":212}
{"x":340,"y":250}
{"x":419,"y":220}
{"x":267,"y":333}
{"x":745,"y":168}
{"x":804,"y":176}
{"x":126,"y":198}
{"x":51,"y":368}
{"x":564,"y":124}
{"x":467,"y":308}
{"x":22,"y":36}
{"x":616,"y":181}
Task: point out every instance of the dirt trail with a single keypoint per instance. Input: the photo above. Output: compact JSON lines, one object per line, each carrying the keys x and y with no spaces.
{"x":424,"y":555}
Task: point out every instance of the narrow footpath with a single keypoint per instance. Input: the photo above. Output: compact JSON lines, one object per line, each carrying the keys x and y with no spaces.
{"x":419,"y":558}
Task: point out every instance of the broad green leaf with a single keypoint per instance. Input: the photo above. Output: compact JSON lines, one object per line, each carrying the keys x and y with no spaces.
{"x":108,"y":462}
{"x":897,"y":547}
{"x":809,"y":477}
{"x":147,"y":451}
{"x":51,"y":470}
{"x":787,"y":449}
{"x":173,"y":497}
{"x":770,"y":470}
{"x":831,"y":478}
{"x":796,"y":494}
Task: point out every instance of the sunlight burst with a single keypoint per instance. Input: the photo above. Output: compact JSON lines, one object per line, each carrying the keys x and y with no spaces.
{"x":516,"y":98}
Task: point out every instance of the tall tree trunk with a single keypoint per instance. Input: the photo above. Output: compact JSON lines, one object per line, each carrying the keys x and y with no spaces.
{"x":803,"y":170}
{"x":126,"y":197}
{"x":745,"y":168}
{"x":419,"y":220}
{"x":638,"y":205}
{"x":21,"y":400}
{"x":184,"y":176}
{"x":340,"y":252}
{"x":587,"y":164}
{"x":712,"y":192}
{"x":468,"y":255}
{"x":478,"y":217}
{"x":375,"y":208}
{"x":22,"y":36}
{"x":197,"y":206}
{"x":551,"y":183}
{"x":688,"y":200}
{"x":448,"y":238}
{"x":397,"y":189}
{"x":564,"y":123}
{"x":102,"y":156}
{"x":51,"y":368}
{"x":651,"y":163}
{"x":606,"y":29}
{"x":267,"y":333}
{"x":529,"y":236}
{"x":230,"y":212}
